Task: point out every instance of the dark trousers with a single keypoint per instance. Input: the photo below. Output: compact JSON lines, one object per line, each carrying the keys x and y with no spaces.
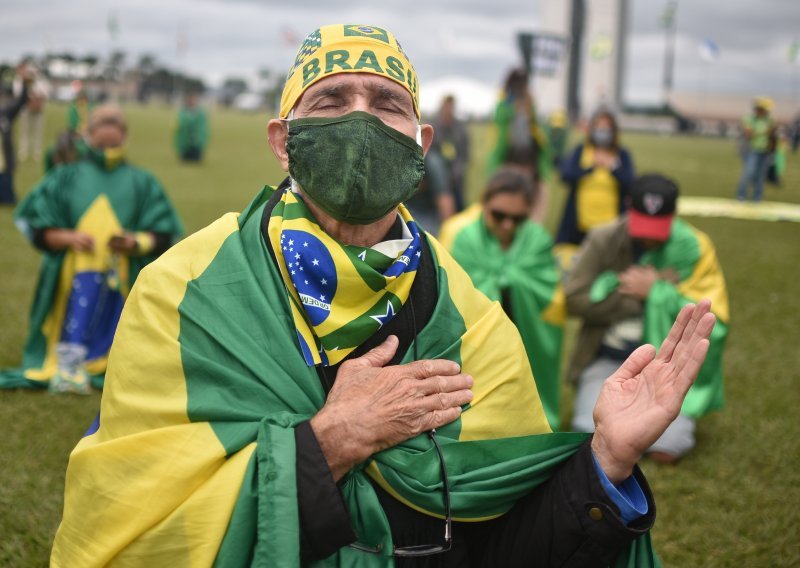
{"x":7,"y":196}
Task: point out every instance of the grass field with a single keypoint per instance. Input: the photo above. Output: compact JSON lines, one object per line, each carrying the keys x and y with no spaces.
{"x":735,"y":501}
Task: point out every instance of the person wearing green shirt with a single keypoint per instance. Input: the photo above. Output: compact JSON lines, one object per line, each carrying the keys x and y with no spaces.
{"x":191,"y":135}
{"x":759,"y":131}
{"x":509,"y":258}
{"x":78,"y":113}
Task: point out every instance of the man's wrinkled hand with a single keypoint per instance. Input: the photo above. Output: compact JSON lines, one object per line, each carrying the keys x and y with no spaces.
{"x":372,"y":407}
{"x":644,"y":396}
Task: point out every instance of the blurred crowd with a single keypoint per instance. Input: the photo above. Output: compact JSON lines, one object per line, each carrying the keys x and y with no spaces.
{"x":500,"y":239}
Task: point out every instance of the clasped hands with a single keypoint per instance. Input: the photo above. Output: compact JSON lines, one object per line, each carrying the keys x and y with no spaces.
{"x":373,"y":406}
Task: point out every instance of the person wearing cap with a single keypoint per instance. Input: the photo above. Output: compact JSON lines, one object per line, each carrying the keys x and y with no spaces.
{"x":98,"y":222}
{"x":316,"y":381}
{"x":759,"y":131}
{"x":629,"y":280}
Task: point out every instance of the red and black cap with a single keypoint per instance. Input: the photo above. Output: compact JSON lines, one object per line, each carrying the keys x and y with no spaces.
{"x":654,"y":200}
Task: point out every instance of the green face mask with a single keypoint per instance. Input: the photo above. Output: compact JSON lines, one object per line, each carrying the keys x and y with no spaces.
{"x":353,"y":167}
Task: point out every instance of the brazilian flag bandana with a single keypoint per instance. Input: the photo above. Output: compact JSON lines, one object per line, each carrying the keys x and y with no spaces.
{"x":340,"y":294}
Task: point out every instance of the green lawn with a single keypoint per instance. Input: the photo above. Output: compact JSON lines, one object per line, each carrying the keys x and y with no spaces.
{"x":733,"y":502}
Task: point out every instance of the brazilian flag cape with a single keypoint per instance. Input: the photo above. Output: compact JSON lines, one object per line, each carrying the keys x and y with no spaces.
{"x":192,"y":130}
{"x":87,"y":197}
{"x":192,"y":462}
{"x":529,"y":272}
{"x":690,"y":253}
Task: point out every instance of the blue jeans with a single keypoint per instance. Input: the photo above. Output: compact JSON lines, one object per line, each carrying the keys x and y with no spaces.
{"x":756,"y":165}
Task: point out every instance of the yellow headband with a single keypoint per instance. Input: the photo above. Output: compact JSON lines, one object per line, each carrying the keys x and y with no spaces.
{"x":344,"y":48}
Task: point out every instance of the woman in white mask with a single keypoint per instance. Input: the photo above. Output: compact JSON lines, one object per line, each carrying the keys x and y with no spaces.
{"x":598,"y":174}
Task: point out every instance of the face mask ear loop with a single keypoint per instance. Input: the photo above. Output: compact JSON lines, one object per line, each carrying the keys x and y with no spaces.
{"x":419,"y":134}
{"x":294,"y":186}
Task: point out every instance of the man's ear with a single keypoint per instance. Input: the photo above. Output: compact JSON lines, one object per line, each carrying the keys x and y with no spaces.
{"x":426,"y":131}
{"x":277,"y":132}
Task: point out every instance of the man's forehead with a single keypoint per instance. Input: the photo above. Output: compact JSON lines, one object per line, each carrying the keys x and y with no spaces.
{"x":347,"y":83}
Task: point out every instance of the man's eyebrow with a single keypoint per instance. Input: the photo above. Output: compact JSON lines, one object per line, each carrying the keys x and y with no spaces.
{"x":394,"y":95}
{"x":332,"y":90}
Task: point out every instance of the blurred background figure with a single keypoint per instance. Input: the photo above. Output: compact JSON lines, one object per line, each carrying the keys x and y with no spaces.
{"x":434,"y":201}
{"x":521,"y":142}
{"x":557,"y":131}
{"x":759,"y":131}
{"x":98,"y":221}
{"x":598,"y":174}
{"x":451,"y":142}
{"x":796,"y":134}
{"x":191,"y":135}
{"x":69,"y":147}
{"x":630,"y":278}
{"x":78,"y":110}
{"x":8,"y":114}
{"x":509,"y":258}
{"x":777,"y":162}
{"x":31,"y":120}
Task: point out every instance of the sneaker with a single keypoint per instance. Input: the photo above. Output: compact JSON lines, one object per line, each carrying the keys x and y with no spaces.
{"x":71,"y":382}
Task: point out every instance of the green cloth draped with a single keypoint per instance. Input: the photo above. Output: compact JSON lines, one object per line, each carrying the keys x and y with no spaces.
{"x":529,"y":272}
{"x":60,"y":200}
{"x":689,"y":254}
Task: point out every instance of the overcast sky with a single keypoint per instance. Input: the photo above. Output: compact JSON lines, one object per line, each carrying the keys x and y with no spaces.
{"x":474,"y":38}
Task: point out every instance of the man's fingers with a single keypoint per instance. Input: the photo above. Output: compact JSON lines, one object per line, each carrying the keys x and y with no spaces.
{"x":378,"y":356}
{"x":443,"y":401}
{"x":637,"y":361}
{"x":444,"y":383}
{"x":693,"y":364}
{"x":439,"y":418}
{"x":702,"y":331}
{"x":675,"y":334}
{"x":432,"y":367}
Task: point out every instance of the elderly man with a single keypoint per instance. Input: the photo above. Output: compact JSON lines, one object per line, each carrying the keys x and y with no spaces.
{"x":316,"y":381}
{"x":98,"y":221}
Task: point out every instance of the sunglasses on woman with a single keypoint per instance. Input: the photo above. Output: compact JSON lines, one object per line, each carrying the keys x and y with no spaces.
{"x":500,"y":216}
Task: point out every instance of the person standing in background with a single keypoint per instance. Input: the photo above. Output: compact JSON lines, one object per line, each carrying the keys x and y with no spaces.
{"x":8,"y":113}
{"x":557,"y":133}
{"x":521,"y":142}
{"x":598,"y":174}
{"x":452,"y":144}
{"x":31,"y":120}
{"x":78,"y":112}
{"x":191,"y":135}
{"x":759,"y":130}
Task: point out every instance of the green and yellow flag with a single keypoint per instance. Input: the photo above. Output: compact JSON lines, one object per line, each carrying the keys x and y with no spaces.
{"x":100,"y":200}
{"x":193,"y":460}
{"x":690,"y":253}
{"x":527,"y":269}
